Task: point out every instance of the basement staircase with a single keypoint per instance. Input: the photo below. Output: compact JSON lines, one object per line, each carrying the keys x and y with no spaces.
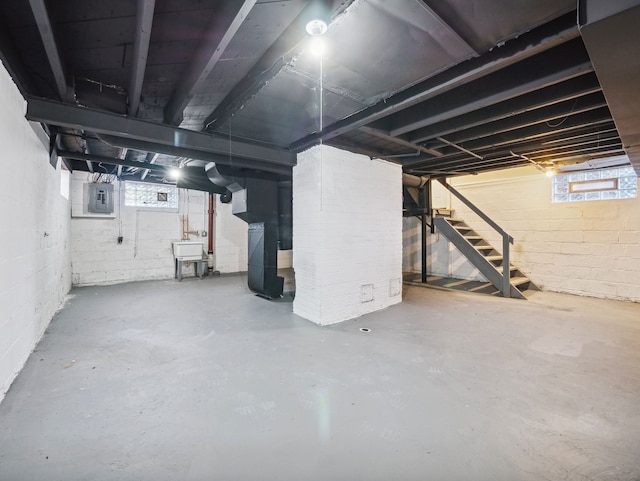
{"x":486,"y":259}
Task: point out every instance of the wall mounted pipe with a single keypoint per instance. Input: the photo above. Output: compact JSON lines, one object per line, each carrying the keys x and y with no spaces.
{"x":211,"y":204}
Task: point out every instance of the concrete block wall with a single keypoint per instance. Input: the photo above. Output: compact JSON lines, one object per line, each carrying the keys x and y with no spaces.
{"x":347,"y":235}
{"x":146,"y":251}
{"x":585,"y":248}
{"x":35,"y":271}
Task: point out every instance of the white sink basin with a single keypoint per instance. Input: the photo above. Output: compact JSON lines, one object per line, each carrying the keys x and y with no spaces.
{"x":188,"y":250}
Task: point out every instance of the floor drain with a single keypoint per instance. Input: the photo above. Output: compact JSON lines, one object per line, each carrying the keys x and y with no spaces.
{"x":365,"y":329}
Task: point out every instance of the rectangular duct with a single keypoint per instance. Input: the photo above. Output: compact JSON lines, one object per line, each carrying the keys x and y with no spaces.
{"x":263,"y":260}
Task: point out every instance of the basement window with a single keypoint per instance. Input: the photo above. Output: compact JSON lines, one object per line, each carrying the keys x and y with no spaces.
{"x":601,"y":184}
{"x":157,"y":196}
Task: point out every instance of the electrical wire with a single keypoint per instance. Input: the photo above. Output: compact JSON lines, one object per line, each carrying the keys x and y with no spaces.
{"x":103,"y":177}
{"x":553,"y":126}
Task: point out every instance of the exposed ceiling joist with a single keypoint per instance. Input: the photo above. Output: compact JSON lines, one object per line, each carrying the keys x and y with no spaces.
{"x":460,"y":148}
{"x":531,"y":138}
{"x":396,"y":140}
{"x":41,"y":15}
{"x":527,"y":45}
{"x":601,"y":145}
{"x":71,"y":116}
{"x":89,"y":158}
{"x":144,"y":21}
{"x":554,"y":94}
{"x":150,"y":159}
{"x":459,"y":160}
{"x":369,"y":151}
{"x":554,"y":115}
{"x":523,"y":81}
{"x":537,"y":131}
{"x":511,"y":159}
{"x":205,"y":60}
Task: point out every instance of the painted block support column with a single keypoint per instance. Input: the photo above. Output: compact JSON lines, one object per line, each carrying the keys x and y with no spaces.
{"x":347,"y":235}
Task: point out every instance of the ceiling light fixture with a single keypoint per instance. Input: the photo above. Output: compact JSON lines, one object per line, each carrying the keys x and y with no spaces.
{"x":174,"y":173}
{"x":316,"y":27}
{"x":319,"y":14}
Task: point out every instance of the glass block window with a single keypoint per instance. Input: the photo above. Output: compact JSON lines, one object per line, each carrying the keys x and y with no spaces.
{"x":603,"y":184}
{"x":137,"y":194}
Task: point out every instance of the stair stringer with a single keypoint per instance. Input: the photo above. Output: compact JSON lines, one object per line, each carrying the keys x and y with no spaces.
{"x":476,"y":258}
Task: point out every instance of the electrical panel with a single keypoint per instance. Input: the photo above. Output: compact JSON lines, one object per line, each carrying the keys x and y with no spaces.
{"x":100,"y":198}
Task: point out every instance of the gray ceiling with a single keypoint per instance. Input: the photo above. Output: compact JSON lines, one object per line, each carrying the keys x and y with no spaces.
{"x":446,"y":87}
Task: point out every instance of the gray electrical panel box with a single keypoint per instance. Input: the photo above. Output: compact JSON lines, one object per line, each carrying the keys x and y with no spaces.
{"x":100,"y":198}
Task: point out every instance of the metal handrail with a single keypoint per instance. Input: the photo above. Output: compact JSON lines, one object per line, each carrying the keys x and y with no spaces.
{"x":506,"y":238}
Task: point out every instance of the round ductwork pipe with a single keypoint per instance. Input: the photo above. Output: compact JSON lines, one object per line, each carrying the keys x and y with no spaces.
{"x":414,"y":180}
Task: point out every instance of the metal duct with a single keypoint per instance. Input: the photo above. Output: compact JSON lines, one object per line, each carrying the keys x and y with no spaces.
{"x":285,"y":215}
{"x":262,"y":275}
{"x":610,"y":33}
{"x":214,"y":175}
{"x":409,"y":180}
{"x":264,"y":203}
{"x":195,"y":178}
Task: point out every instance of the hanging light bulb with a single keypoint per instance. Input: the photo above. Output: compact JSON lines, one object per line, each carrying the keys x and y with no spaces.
{"x":319,"y":14}
{"x":316,"y":27}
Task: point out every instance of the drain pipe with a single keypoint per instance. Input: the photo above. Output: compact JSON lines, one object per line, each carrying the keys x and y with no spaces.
{"x":210,"y":234}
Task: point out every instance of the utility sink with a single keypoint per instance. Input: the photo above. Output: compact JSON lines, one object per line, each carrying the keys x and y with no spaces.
{"x":188,"y":250}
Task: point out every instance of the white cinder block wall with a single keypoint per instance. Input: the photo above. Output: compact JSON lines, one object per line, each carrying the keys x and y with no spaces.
{"x":35,"y":273}
{"x":585,"y":248}
{"x":146,"y":250}
{"x":347,"y":235}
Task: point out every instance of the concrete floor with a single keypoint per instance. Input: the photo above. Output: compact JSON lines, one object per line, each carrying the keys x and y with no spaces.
{"x":200,"y":380}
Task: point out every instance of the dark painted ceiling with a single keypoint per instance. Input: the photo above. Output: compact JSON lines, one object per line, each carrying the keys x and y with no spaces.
{"x":443,"y":87}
